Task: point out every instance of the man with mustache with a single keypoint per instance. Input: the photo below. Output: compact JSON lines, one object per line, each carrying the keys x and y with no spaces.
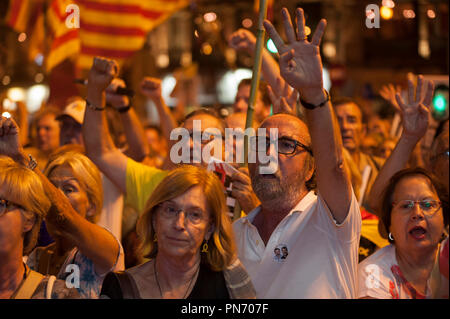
{"x":319,"y":229}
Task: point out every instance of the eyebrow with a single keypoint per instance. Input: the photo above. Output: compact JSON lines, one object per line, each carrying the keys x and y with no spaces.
{"x":189,"y":207}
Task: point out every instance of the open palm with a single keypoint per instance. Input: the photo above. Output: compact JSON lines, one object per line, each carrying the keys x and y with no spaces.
{"x":415,"y":113}
{"x":300,"y":62}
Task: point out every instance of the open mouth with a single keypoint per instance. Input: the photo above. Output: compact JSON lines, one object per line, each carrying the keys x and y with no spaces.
{"x":418,"y":232}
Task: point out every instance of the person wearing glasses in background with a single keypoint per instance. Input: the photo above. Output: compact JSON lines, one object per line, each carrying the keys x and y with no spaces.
{"x":320,"y":230}
{"x":187,"y":235}
{"x":413,"y":207}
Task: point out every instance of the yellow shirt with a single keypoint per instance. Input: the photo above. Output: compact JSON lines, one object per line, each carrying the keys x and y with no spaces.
{"x":141,"y":181}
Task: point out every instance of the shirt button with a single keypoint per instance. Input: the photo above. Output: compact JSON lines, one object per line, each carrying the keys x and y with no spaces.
{"x":257,"y":242}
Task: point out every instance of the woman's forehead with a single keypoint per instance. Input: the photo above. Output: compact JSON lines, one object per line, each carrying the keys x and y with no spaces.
{"x":62,"y":172}
{"x":413,"y":185}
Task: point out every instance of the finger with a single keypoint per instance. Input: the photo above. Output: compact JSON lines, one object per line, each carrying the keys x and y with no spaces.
{"x":272,"y":96}
{"x":400,"y":101}
{"x":239,"y":177}
{"x":113,"y":68}
{"x":300,"y":19}
{"x":288,"y":27}
{"x":284,"y":105}
{"x":424,"y":110}
{"x":317,"y":37}
{"x":410,"y":92}
{"x":273,"y":34}
{"x":286,"y":89}
{"x":429,"y":94}
{"x":286,"y":57}
{"x":293,"y":98}
{"x":244,"y":170}
{"x":419,"y":89}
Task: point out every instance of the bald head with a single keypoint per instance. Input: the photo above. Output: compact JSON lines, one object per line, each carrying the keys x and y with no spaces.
{"x":288,"y":126}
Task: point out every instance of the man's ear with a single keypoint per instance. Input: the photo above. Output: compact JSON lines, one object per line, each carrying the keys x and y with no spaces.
{"x":29,"y":219}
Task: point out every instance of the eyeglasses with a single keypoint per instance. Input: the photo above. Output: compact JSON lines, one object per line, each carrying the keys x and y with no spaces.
{"x":428,"y":207}
{"x":6,"y":205}
{"x":169,"y":211}
{"x":286,"y":146}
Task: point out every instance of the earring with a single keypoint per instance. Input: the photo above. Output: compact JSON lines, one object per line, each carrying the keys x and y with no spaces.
{"x":205,"y":247}
{"x":155,"y":239}
{"x":390,"y":237}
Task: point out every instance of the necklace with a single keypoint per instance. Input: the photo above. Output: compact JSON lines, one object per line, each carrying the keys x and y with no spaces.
{"x":159,"y":286}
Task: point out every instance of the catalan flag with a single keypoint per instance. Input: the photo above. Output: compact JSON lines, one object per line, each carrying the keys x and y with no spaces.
{"x":110,"y":28}
{"x":44,"y":22}
{"x":117,"y":28}
{"x":65,"y":40}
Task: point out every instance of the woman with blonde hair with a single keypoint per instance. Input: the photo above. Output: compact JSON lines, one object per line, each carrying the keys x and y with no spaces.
{"x":23,"y":205}
{"x":186,"y":233}
{"x":93,"y":249}
{"x":83,"y":252}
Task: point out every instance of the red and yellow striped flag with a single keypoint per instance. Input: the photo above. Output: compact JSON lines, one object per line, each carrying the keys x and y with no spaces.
{"x":44,"y":22}
{"x":110,"y":28}
{"x":117,"y":28}
{"x":65,"y":41}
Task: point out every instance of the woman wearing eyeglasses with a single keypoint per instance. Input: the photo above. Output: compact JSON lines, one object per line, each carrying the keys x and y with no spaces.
{"x":414,"y":211}
{"x":187,"y":235}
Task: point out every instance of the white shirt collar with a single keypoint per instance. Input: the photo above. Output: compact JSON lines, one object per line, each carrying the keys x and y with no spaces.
{"x":301,"y":206}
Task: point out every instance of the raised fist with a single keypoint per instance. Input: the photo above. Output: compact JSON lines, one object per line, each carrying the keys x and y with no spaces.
{"x":102,"y":72}
{"x":9,"y":137}
{"x":242,"y":40}
{"x":151,"y":88}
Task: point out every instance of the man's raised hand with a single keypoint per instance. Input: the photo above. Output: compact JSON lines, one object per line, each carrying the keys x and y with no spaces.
{"x":415,"y":112}
{"x":300,"y":62}
{"x":242,"y":40}
{"x":151,"y":88}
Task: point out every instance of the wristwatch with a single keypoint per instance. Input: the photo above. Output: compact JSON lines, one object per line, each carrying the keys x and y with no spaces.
{"x":310,"y":106}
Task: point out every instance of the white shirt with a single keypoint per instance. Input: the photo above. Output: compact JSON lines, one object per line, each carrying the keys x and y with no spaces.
{"x":379,"y":276}
{"x":322,"y":255}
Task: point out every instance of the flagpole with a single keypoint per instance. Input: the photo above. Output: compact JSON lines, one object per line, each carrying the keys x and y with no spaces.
{"x":254,"y":86}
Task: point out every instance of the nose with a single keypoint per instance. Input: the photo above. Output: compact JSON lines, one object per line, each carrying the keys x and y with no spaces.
{"x":180,"y":220}
{"x":240,"y":106}
{"x":417,"y":212}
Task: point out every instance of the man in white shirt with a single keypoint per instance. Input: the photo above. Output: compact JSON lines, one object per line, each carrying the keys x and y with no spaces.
{"x":321,"y":233}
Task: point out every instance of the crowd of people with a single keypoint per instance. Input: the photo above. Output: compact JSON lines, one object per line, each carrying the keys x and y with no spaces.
{"x":351,"y":210}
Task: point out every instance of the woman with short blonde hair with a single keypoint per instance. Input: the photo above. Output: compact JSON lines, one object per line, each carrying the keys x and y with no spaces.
{"x":23,"y":205}
{"x":85,"y":171}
